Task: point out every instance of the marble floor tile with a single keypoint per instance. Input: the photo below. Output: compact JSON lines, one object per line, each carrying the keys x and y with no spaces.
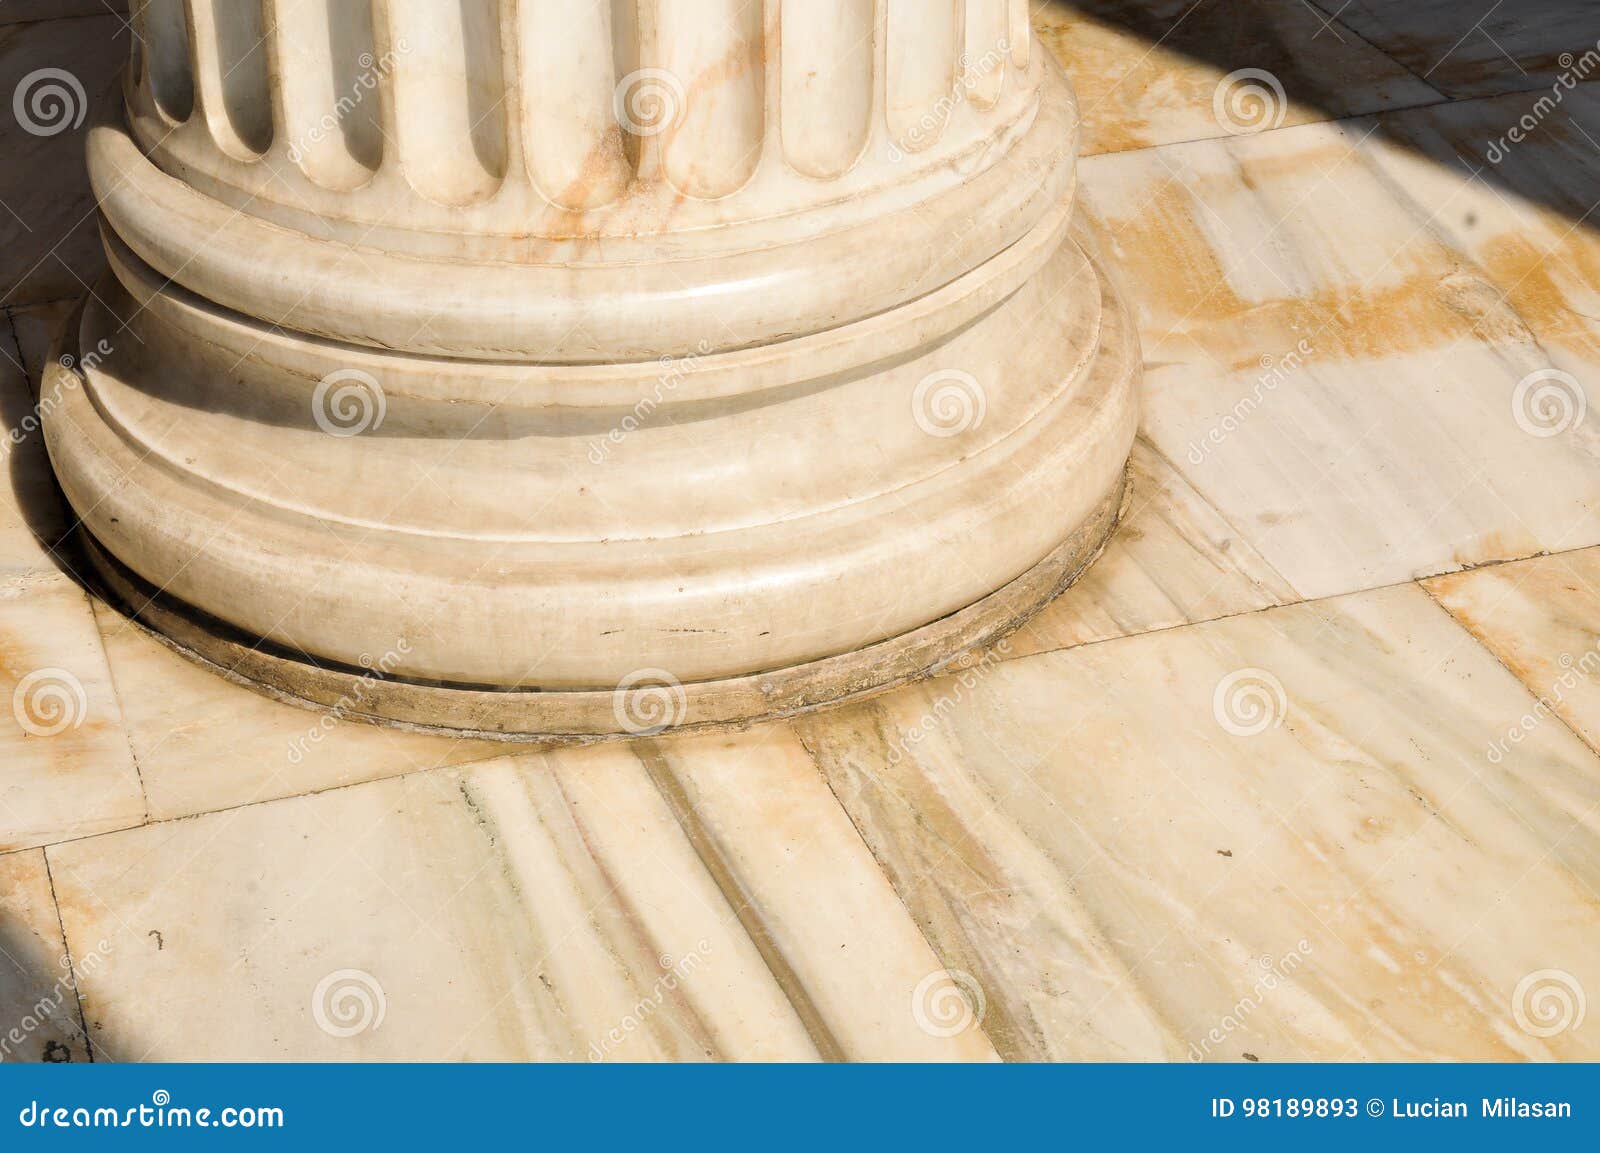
{"x":1273,"y":837}
{"x":1521,"y":204}
{"x":1541,"y":617}
{"x":1475,"y":47}
{"x":38,"y":1005}
{"x":49,"y":244}
{"x":1174,"y":560}
{"x":205,"y":743}
{"x":1325,"y":371}
{"x":65,"y":767}
{"x":32,"y":511}
{"x":680,"y":900}
{"x":1160,"y":72}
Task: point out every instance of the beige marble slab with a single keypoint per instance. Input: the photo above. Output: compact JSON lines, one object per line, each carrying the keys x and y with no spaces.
{"x":31,"y":509}
{"x":1150,"y":73}
{"x":39,"y":1018}
{"x":687,"y":900}
{"x":1325,"y":371}
{"x":1527,"y":221}
{"x":65,"y":767}
{"x":1174,"y":560}
{"x":47,"y":213}
{"x":1475,"y":47}
{"x":205,"y":743}
{"x":1129,"y":868}
{"x":1541,"y":617}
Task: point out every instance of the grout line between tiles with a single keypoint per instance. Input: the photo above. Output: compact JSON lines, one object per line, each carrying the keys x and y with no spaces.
{"x":116,"y":695}
{"x":882,"y":866}
{"x":66,"y":952}
{"x":1333,"y":18}
{"x":1480,"y":642}
{"x":707,"y":846}
{"x":516,"y":750}
{"x":1375,"y":114}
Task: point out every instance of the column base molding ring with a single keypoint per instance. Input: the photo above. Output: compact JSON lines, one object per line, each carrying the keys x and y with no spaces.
{"x":947,"y":645}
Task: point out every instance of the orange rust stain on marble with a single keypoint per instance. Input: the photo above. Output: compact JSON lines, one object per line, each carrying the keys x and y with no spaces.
{"x":1534,"y":281}
{"x":1186,"y":292}
{"x":1098,"y":60}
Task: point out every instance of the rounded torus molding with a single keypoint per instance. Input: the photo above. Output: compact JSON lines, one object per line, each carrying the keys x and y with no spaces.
{"x":569,"y":368}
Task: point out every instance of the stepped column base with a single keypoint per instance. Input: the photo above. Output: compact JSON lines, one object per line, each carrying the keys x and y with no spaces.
{"x":704,"y":435}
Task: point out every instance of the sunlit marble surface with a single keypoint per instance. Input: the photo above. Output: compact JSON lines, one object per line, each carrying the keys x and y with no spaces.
{"x":1247,"y":792}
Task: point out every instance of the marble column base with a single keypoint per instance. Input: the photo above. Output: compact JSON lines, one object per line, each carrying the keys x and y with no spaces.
{"x":1043,"y":490}
{"x":580,"y":716}
{"x":724,"y":428}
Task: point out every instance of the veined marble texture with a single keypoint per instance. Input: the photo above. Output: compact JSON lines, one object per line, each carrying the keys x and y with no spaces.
{"x":1316,"y":350}
{"x":1091,"y":854}
{"x":1541,"y":617}
{"x":1304,"y":768}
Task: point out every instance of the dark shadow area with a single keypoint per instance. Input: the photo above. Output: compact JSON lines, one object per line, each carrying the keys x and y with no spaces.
{"x":40,"y":1018}
{"x":1510,"y":72}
